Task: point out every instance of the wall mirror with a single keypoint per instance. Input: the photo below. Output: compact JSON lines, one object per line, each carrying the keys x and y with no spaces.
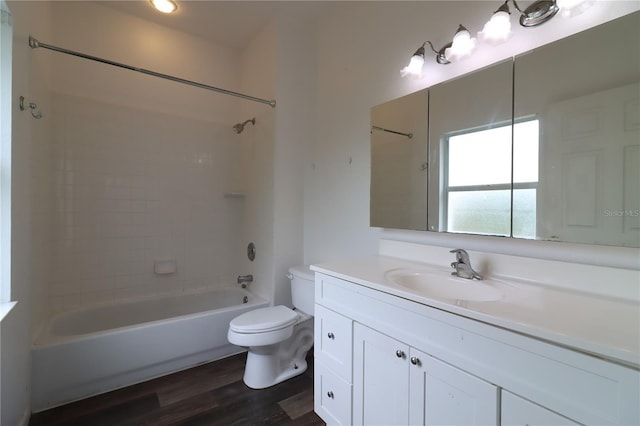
{"x":589,"y":180}
{"x":399,"y":163}
{"x":562,"y":120}
{"x":470,"y":152}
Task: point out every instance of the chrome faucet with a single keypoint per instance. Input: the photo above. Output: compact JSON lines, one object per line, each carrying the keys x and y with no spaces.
{"x":462,"y":266}
{"x":244,"y":279}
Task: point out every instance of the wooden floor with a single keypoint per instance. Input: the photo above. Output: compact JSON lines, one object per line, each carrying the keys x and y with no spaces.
{"x":210,"y":394}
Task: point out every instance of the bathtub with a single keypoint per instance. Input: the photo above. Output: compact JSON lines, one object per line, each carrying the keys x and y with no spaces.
{"x":94,"y":350}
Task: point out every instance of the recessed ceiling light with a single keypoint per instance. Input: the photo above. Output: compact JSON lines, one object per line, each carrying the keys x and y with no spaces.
{"x":165,"y":6}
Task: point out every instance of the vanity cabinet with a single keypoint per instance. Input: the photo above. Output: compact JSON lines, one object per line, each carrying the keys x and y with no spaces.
{"x":394,"y":383}
{"x":520,"y":412}
{"x":380,"y":377}
{"x":332,"y":396}
{"x":333,"y":347}
{"x":392,"y":360}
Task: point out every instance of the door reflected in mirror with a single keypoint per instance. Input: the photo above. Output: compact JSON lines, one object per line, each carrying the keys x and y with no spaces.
{"x":589,"y":182}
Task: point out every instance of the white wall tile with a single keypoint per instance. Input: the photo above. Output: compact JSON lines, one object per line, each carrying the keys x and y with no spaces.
{"x":116,"y":213}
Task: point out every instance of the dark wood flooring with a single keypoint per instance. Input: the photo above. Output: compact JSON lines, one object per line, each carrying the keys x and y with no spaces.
{"x":209,"y":394}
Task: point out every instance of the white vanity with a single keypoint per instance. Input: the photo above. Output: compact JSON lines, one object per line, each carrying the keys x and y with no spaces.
{"x":398,"y":342}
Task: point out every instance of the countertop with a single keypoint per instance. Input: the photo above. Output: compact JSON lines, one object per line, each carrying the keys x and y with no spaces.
{"x":603,"y":326}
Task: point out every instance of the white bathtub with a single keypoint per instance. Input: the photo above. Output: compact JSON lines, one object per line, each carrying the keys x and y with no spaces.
{"x":93,"y":350}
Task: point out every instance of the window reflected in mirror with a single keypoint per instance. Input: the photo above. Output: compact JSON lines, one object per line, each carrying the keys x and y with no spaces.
{"x":478,"y":180}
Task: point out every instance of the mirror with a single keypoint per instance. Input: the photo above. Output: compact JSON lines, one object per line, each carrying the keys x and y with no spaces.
{"x":584,"y":90}
{"x":573,"y":164}
{"x":470,"y":152}
{"x":399,"y":163}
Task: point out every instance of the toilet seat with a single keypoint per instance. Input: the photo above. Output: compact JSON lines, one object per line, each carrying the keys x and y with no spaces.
{"x":264,"y":320}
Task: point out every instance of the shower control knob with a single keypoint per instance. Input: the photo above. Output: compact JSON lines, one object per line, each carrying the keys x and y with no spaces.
{"x":399,"y":353}
{"x":330,"y":394}
{"x":415,"y":360}
{"x":330,"y":335}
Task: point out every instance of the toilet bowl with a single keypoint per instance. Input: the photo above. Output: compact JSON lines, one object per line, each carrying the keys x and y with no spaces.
{"x":277,"y":338}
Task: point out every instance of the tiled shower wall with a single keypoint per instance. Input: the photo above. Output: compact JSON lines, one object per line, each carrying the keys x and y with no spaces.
{"x":131,"y":187}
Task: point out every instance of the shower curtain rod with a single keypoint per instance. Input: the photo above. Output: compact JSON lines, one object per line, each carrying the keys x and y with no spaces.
{"x":33,"y":43}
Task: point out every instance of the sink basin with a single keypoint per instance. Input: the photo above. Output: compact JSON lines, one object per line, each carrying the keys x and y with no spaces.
{"x":442,"y":285}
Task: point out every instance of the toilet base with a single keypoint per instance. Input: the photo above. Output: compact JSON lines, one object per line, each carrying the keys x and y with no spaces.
{"x":269,"y":365}
{"x":259,"y":371}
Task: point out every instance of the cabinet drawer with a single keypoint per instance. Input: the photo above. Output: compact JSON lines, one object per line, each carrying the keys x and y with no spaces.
{"x":519,"y":412}
{"x":332,"y":396}
{"x":333,"y":341}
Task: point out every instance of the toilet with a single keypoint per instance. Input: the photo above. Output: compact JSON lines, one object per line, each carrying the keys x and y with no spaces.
{"x":277,"y":338}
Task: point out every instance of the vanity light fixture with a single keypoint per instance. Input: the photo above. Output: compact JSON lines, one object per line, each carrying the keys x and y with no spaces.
{"x":164,"y":6}
{"x":459,"y":48}
{"x":497,"y":30}
{"x":414,"y":68}
{"x":441,"y":56}
{"x":537,"y":13}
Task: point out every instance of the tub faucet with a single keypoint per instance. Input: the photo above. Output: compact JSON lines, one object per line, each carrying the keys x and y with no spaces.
{"x":462,"y":266}
{"x":244,"y":279}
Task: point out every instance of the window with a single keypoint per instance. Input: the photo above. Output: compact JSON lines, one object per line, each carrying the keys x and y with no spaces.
{"x":482,"y":193}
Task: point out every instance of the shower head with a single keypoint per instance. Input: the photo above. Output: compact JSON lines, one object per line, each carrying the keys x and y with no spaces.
{"x":238,"y":128}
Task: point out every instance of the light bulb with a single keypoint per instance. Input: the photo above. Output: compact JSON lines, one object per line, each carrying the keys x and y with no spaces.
{"x":165,"y":6}
{"x":498,"y":29}
{"x":461,"y":46}
{"x":415,"y":64}
{"x":414,"y":68}
{"x":570,"y":8}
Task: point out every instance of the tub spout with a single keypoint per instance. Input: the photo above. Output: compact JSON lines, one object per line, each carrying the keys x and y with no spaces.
{"x":243,"y":280}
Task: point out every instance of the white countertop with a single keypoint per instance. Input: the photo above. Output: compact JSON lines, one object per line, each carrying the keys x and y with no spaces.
{"x":604,"y":326}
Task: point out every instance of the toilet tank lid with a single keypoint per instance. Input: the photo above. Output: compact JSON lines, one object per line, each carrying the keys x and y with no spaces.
{"x":302,"y":271}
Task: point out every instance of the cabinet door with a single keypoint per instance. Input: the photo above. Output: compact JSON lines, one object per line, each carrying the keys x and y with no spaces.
{"x":333,"y":341}
{"x":443,"y":395}
{"x":520,"y":412}
{"x":380,"y":379}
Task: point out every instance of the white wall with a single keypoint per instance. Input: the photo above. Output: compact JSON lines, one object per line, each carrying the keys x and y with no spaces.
{"x":259,"y":68}
{"x":358,"y":67}
{"x":294,"y":134}
{"x":279,"y":64}
{"x":29,"y":206}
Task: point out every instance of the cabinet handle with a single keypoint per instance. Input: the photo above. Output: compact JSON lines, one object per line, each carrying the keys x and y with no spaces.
{"x":415,"y":360}
{"x":330,"y":394}
{"x":399,"y":353}
{"x":330,"y":335}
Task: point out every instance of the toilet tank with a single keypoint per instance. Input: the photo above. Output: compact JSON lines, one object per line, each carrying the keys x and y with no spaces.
{"x":302,"y":288}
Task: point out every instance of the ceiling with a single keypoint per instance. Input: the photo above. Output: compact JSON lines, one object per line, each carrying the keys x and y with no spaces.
{"x":230,"y":23}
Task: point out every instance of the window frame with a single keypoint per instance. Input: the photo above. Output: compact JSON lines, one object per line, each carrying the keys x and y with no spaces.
{"x":511,"y":186}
